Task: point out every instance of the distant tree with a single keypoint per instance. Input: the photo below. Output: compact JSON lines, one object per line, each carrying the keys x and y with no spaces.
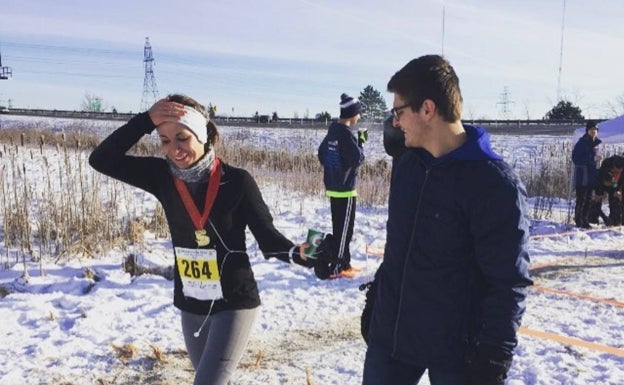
{"x":92,"y":103}
{"x":564,"y":110}
{"x":375,"y":104}
{"x":274,"y":117}
{"x":616,"y":108}
{"x":323,"y":116}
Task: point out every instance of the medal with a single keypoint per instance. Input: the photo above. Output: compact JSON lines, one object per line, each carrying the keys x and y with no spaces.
{"x":199,"y":220}
{"x":201,"y":237}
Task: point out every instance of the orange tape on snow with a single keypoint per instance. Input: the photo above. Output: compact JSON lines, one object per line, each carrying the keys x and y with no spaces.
{"x":572,"y":341}
{"x":376,"y":251}
{"x":553,"y":235}
{"x":576,"y":295}
{"x":552,"y":263}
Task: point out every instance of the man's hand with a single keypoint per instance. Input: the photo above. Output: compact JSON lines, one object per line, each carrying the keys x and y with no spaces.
{"x":367,"y":312}
{"x":488,"y":365}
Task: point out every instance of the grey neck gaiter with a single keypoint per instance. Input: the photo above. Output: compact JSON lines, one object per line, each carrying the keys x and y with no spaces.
{"x":198,"y":171}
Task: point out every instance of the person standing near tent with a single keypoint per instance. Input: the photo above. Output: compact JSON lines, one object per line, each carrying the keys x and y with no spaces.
{"x":341,"y":154}
{"x":610,"y":180}
{"x":450,"y":294}
{"x":208,"y":205}
{"x":585,"y":158}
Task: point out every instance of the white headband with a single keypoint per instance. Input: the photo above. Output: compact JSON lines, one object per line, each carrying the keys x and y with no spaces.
{"x":195,"y":122}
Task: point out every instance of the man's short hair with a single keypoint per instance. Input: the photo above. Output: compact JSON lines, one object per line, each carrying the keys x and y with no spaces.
{"x":590,"y":124}
{"x":429,"y":77}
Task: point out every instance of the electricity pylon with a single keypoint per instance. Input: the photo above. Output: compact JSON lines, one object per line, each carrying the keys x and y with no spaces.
{"x":150,"y":90}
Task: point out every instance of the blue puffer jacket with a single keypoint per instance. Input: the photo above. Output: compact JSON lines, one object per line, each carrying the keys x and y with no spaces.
{"x":341,"y":156}
{"x":455,"y":269}
{"x":583,"y":157}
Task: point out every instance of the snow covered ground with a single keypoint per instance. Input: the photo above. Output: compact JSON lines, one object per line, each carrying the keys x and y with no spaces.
{"x":73,"y":324}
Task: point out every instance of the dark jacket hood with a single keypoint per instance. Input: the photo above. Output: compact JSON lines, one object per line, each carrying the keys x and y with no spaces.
{"x":477,"y":147}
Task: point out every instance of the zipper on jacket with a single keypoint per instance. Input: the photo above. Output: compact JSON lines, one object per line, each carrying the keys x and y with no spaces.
{"x":409,"y":249}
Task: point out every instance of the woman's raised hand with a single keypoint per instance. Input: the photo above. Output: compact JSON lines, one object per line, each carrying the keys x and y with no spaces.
{"x":165,"y":111}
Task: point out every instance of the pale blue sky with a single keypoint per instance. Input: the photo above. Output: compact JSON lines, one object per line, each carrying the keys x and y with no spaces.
{"x":298,"y":56}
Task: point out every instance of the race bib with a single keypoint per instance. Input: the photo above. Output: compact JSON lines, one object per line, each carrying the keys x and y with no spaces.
{"x":199,"y":273}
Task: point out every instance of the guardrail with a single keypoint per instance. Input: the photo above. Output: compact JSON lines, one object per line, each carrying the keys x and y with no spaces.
{"x":494,"y":125}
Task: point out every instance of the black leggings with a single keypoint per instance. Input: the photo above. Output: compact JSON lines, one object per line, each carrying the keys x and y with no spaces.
{"x":343,"y":217}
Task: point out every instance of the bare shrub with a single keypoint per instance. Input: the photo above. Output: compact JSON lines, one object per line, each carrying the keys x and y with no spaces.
{"x":158,"y":222}
{"x":135,"y":231}
{"x":65,"y":212}
{"x":300,"y":171}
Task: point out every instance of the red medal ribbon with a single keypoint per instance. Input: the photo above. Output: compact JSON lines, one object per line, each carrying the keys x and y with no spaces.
{"x":211,"y":195}
{"x":616,"y":179}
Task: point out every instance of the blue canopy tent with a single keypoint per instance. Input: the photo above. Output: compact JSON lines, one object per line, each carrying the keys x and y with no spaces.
{"x":610,"y":131}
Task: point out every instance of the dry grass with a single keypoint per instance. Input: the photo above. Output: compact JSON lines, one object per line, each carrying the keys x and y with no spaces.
{"x":53,"y":204}
{"x":66,"y":208}
{"x":158,"y":354}
{"x":126,"y":352}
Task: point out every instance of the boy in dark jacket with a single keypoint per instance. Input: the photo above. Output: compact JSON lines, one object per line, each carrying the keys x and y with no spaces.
{"x":450,"y":293}
{"x":585,"y":158}
{"x":341,"y":155}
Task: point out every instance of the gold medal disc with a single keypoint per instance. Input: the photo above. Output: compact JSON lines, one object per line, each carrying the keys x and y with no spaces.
{"x":201,"y":237}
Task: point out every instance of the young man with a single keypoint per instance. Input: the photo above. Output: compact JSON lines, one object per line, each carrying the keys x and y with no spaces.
{"x":449,"y":294}
{"x":585,"y":158}
{"x":341,"y":155}
{"x":610,"y":180}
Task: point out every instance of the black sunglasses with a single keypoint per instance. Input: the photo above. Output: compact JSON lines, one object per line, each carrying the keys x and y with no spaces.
{"x":395,"y":110}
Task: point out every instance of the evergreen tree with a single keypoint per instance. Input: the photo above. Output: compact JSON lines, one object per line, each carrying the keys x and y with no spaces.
{"x":376,"y":108}
{"x":564,"y":110}
{"x":323,"y":116}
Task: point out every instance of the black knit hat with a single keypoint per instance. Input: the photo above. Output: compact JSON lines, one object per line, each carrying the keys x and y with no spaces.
{"x":349,"y":107}
{"x":590,"y":124}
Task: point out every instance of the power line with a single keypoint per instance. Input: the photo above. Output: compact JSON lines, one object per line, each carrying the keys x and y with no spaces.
{"x":5,"y":72}
{"x":505,"y":102}
{"x":561,"y":53}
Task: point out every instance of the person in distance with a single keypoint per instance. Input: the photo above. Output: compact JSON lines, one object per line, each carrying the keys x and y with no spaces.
{"x":585,"y":159}
{"x":341,"y":153}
